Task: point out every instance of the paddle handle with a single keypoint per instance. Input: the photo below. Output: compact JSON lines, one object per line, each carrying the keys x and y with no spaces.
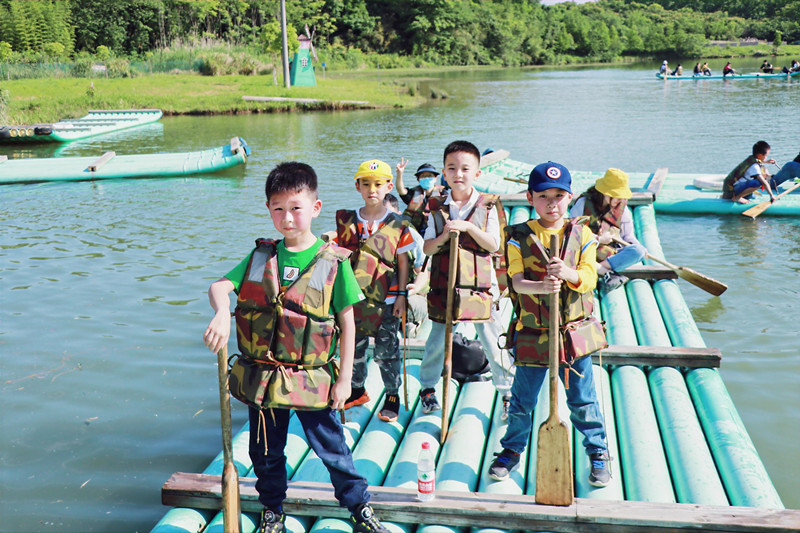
{"x":231,"y":507}
{"x":447,"y":370}
{"x":553,"y":347}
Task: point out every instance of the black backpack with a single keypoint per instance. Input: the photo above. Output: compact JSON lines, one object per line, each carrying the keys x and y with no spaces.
{"x":469,"y":360}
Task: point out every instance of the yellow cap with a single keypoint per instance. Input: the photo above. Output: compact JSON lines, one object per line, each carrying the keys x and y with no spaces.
{"x":374,"y":168}
{"x":614,"y":184}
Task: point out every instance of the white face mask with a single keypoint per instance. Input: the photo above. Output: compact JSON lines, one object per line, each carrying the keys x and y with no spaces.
{"x":427,"y":183}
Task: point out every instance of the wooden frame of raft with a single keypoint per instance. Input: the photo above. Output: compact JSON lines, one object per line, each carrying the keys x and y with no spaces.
{"x":393,"y":504}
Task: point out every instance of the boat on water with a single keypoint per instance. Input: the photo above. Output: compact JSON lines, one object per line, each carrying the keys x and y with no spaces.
{"x":682,"y":458}
{"x":96,"y":122}
{"x":748,"y":76}
{"x":111,"y":166}
{"x":698,"y":194}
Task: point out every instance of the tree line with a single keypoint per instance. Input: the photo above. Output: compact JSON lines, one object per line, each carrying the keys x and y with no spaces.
{"x":445,"y":32}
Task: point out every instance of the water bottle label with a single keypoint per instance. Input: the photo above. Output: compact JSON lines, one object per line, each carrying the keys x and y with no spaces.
{"x":426,"y":486}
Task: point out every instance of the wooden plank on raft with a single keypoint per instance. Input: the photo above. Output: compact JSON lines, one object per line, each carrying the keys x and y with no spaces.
{"x":494,"y":157}
{"x":488,"y":510}
{"x":100,"y":161}
{"x":236,"y":145}
{"x":649,"y":272}
{"x":657,"y":181}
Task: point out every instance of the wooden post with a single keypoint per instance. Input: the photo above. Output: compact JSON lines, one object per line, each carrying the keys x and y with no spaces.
{"x":284,"y":47}
{"x":100,"y":161}
{"x":447,"y":371}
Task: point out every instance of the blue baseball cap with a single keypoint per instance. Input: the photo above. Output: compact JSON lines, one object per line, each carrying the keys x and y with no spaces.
{"x":548,"y":176}
{"x":427,"y":167}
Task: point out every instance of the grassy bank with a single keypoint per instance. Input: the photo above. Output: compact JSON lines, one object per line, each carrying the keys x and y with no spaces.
{"x":47,"y":100}
{"x":785,"y":51}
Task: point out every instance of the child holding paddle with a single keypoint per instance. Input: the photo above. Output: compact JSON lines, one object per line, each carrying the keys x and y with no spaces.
{"x":535,"y":273}
{"x":293,"y":295}
{"x":749,"y":176}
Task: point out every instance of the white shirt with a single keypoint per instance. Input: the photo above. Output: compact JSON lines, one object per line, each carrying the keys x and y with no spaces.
{"x":626,"y":231}
{"x":753,"y":171}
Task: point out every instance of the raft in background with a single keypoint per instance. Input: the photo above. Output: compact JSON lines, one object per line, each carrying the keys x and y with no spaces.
{"x":668,"y":193}
{"x":112,"y":166}
{"x":96,"y":122}
{"x":749,"y":76}
{"x":682,"y":458}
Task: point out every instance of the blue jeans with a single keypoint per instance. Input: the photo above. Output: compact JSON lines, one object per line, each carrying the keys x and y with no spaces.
{"x":743,"y":185}
{"x":581,"y":399}
{"x":325,"y":436}
{"x":626,"y":257}
{"x":386,"y":353}
{"x":790,"y":170}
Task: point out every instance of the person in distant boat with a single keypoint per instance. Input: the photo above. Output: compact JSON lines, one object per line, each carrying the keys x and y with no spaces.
{"x":789,"y":171}
{"x":416,"y":198}
{"x":606,"y":205}
{"x":664,"y":71}
{"x":698,"y":71}
{"x":749,"y":176}
{"x":678,"y":71}
{"x":766,"y":67}
{"x":728,"y":69}
{"x":706,"y":70}
{"x":794,"y":68}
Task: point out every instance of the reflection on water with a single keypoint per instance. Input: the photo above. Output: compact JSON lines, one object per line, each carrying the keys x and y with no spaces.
{"x":106,"y":387}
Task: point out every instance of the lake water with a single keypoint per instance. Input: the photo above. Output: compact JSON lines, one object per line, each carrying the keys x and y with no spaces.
{"x":107,"y":388}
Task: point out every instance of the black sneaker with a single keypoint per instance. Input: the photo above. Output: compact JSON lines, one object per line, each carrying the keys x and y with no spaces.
{"x":610,"y":281}
{"x":364,"y":521}
{"x":358,"y":396}
{"x":429,"y":401}
{"x":391,"y":408}
{"x":506,"y":405}
{"x":504,"y":462}
{"x":271,"y":522}
{"x":600,"y":475}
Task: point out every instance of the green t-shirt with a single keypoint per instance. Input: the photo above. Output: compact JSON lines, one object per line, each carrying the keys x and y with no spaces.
{"x":290,"y":264}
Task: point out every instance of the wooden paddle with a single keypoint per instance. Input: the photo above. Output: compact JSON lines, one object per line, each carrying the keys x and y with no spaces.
{"x":553,"y":454}
{"x":447,"y":370}
{"x":753,"y":212}
{"x":710,"y":285}
{"x":231,"y":508}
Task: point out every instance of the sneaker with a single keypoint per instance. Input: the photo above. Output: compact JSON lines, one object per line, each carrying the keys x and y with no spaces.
{"x":271,"y":522}
{"x":363,"y":520}
{"x":391,"y":408}
{"x":599,"y":476}
{"x":610,"y":281}
{"x":506,"y":405}
{"x":429,"y":401}
{"x":358,"y":396}
{"x":504,"y":462}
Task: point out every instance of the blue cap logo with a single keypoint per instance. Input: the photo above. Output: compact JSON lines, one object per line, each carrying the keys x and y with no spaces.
{"x":553,"y":173}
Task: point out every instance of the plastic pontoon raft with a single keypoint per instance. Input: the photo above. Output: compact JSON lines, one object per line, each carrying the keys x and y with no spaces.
{"x":749,"y":76}
{"x":112,"y":166}
{"x":682,"y":458}
{"x":96,"y":122}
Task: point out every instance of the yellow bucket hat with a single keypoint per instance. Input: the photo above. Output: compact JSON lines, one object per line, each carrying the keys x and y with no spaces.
{"x":374,"y":168}
{"x":614,"y":184}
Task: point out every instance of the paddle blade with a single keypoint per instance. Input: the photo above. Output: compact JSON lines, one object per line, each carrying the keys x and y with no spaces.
{"x":231,"y":510}
{"x":709,"y":285}
{"x":554,"y":465}
{"x":756,"y":210}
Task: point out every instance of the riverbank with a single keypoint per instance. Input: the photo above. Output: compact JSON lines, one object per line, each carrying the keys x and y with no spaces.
{"x":32,"y":101}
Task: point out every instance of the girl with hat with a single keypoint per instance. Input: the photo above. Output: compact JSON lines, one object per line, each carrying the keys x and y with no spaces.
{"x":606,"y":205}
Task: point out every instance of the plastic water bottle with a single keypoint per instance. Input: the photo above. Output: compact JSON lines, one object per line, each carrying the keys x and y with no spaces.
{"x":426,"y":473}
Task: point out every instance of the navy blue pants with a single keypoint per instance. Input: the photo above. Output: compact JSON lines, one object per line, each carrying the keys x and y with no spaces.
{"x":325,"y":436}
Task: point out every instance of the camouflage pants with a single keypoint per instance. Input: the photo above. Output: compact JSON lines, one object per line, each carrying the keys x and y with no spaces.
{"x":386,"y":353}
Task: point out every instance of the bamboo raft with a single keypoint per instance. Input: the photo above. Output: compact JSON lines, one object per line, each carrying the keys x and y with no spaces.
{"x":681,"y":456}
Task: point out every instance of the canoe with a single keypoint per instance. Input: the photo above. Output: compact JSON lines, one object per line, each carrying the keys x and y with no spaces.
{"x":678,"y":193}
{"x":749,"y":76}
{"x":96,"y":122}
{"x":682,"y":457}
{"x":112,"y":166}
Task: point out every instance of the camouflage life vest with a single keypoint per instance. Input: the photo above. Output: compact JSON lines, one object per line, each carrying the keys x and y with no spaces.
{"x":531,"y":340}
{"x":472,"y":299}
{"x":417,"y":209}
{"x":285,"y":335}
{"x":736,"y":174}
{"x":610,"y":221}
{"x":374,"y":262}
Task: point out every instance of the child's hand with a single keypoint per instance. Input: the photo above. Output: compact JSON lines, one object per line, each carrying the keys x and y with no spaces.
{"x":340,"y":392}
{"x":218,"y":331}
{"x":399,"y":306}
{"x":401,"y":166}
{"x":557,"y":268}
{"x":604,"y":237}
{"x":458,"y":225}
{"x":551,"y":284}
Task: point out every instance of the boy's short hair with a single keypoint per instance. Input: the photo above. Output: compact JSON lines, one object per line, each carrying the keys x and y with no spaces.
{"x":291,"y":176}
{"x":760,"y":147}
{"x":391,"y":200}
{"x":462,"y":146}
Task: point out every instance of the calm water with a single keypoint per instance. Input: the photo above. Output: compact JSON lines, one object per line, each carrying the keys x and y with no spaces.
{"x":106,"y":386}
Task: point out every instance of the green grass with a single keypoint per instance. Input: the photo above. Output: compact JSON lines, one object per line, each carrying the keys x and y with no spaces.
{"x":785,"y":51}
{"x":47,"y":100}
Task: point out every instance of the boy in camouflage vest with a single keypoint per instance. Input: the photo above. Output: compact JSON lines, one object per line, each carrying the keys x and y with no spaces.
{"x":380,"y":241}
{"x":533,"y":275}
{"x":474,"y":216}
{"x":296,"y":296}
